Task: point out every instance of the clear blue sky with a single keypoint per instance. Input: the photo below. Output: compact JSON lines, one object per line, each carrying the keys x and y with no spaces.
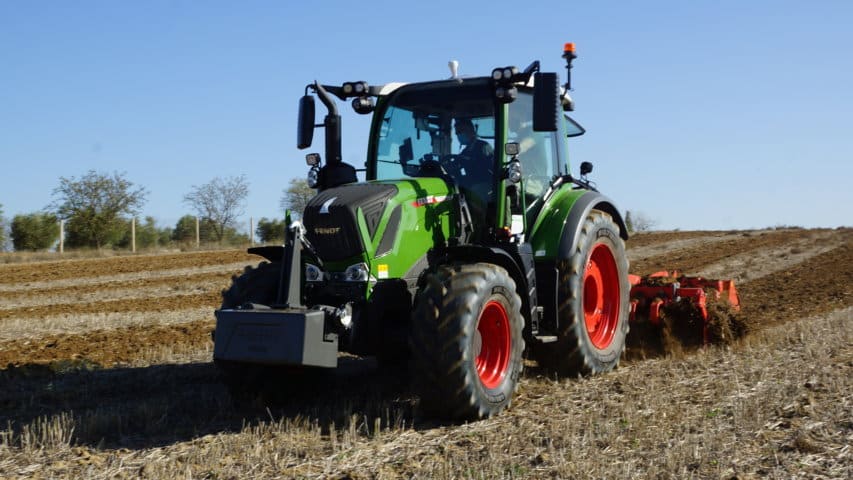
{"x":701,"y":115}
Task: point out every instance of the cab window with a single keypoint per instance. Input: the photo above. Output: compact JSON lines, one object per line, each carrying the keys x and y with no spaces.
{"x":537,"y":150}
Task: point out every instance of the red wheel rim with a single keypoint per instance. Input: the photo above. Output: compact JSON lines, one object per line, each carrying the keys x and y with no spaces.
{"x":492,"y":344}
{"x":601,"y":296}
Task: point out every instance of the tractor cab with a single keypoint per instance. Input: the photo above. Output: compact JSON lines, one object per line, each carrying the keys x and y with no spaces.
{"x":498,"y":141}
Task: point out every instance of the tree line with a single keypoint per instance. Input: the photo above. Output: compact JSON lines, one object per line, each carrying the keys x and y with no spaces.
{"x":97,"y":210}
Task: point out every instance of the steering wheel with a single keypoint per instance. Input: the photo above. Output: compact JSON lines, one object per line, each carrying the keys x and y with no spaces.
{"x":431,"y":168}
{"x":453,"y":163}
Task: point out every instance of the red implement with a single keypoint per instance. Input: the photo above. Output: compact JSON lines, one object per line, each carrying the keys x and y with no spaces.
{"x":653,"y":292}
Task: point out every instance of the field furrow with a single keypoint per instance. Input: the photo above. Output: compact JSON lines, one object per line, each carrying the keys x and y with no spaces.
{"x":151,"y":288}
{"x":150,"y":304}
{"x":663,"y":245}
{"x":121,"y":280}
{"x":35,"y":331}
{"x":644,"y":239}
{"x":106,"y":372}
{"x":822,"y":284}
{"x":194,"y":312}
{"x":712,"y":415}
{"x":74,"y":269}
{"x":695,"y":258}
{"x":108,"y":347}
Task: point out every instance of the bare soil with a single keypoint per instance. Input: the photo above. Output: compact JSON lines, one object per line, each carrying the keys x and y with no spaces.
{"x":774,"y":404}
{"x":41,"y":271}
{"x":692,"y":259}
{"x":802,"y":290}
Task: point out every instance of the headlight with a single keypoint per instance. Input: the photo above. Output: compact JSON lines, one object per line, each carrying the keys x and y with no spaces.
{"x":513,"y":172}
{"x":357,"y":273}
{"x":313,"y":273}
{"x":313,"y":177}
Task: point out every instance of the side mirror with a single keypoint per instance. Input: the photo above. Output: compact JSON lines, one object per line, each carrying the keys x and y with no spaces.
{"x":586,"y":168}
{"x":305,"y":123}
{"x":546,"y":95}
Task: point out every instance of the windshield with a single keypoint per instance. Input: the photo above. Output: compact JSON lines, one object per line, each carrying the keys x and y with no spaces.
{"x":417,"y":128}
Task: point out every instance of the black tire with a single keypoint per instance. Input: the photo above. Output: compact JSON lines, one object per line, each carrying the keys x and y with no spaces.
{"x":593,"y":302}
{"x":466,"y":342}
{"x":257,"y":285}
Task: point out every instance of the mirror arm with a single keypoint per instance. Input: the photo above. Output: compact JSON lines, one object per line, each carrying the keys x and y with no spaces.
{"x":326,"y":98}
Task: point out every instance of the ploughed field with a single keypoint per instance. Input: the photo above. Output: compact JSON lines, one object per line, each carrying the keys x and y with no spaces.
{"x":105,"y":372}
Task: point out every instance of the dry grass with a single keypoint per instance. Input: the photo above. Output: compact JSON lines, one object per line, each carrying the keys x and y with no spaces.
{"x":27,"y":328}
{"x":776,"y":405}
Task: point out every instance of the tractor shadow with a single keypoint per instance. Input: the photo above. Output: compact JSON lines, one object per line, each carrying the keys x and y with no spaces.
{"x":160,"y":405}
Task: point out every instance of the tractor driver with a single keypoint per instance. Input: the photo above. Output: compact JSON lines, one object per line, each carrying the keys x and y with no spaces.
{"x":478,"y":152}
{"x":475,"y":169}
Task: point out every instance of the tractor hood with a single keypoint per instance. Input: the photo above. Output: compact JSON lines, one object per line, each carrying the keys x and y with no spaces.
{"x":333,"y":216}
{"x":372,"y":219}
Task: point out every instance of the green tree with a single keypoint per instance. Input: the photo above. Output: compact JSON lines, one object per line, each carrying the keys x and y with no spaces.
{"x":34,"y":231}
{"x":220,"y":201}
{"x":164,"y":236}
{"x":296,"y":196}
{"x":96,"y":206}
{"x":184,"y":231}
{"x":147,"y":234}
{"x":270,"y":230}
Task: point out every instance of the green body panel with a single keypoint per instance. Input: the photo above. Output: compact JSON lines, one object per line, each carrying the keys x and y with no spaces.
{"x":548,"y":228}
{"x":426,"y":207}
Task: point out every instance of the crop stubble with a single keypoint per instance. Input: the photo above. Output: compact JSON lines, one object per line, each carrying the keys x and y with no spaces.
{"x":818,"y":285}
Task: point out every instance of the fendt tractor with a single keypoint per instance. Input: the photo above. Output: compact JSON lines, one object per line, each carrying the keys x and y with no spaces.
{"x":469,"y":243}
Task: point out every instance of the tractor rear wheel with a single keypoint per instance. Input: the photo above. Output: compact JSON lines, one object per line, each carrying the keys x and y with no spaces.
{"x":466,"y":341}
{"x":257,"y":285}
{"x":593,"y":302}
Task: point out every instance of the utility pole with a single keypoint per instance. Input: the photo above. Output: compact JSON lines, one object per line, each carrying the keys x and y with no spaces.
{"x":197,"y":236}
{"x":133,"y":235}
{"x":61,"y":236}
{"x":252,"y":231}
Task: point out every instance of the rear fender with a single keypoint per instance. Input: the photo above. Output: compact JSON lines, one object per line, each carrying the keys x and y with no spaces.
{"x":580,"y":210}
{"x":556,"y":230}
{"x":554,"y":237}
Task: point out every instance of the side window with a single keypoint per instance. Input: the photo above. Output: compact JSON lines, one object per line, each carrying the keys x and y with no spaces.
{"x":536,"y":149}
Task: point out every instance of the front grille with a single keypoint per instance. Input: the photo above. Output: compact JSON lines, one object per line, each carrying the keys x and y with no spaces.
{"x":330,"y":218}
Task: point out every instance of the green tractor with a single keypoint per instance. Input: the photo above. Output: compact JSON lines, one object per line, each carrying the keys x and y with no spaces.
{"x":458,"y":254}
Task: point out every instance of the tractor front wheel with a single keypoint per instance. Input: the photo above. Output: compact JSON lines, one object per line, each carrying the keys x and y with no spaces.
{"x":466,"y":342}
{"x":593,"y":302}
{"x":257,"y":285}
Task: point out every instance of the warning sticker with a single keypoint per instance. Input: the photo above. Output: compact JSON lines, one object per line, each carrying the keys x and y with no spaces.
{"x":429,"y":200}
